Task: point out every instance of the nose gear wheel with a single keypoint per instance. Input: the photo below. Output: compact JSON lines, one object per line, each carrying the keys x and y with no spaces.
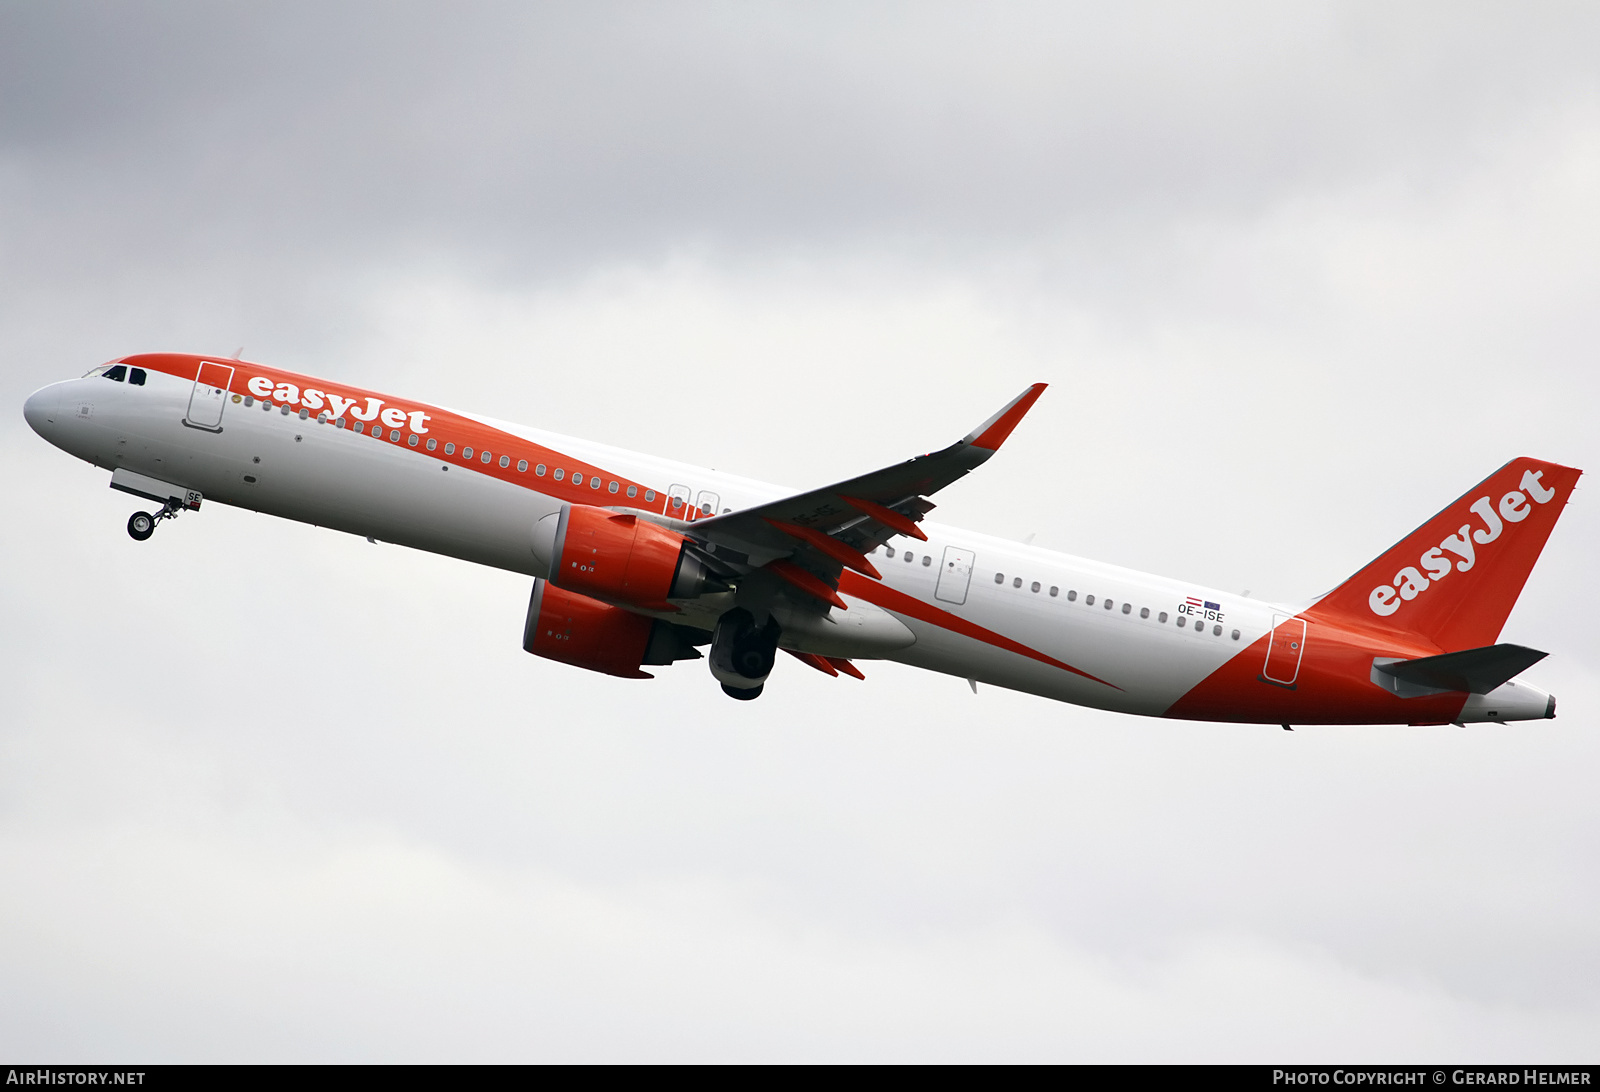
{"x":141,"y":525}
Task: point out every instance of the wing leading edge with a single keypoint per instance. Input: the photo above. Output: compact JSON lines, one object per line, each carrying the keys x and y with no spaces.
{"x":823,"y":531}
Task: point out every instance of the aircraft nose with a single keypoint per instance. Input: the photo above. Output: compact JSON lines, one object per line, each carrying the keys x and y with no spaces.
{"x":40,"y":409}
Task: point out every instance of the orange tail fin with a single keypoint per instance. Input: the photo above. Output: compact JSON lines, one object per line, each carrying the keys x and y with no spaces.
{"x":1454,"y":580}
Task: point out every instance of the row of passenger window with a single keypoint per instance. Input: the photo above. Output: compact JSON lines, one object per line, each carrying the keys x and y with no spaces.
{"x":910,"y":557}
{"x":1110,"y":604}
{"x":1072,"y":597}
{"x":467,"y":453}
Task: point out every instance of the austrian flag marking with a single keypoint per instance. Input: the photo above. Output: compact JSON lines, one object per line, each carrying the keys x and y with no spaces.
{"x":1202,"y":609}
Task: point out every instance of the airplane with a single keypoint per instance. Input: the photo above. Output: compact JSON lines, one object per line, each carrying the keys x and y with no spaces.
{"x":639,"y":561}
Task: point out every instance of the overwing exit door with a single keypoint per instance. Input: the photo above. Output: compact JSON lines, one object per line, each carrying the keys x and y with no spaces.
{"x":954,"y":575}
{"x":210,"y":394}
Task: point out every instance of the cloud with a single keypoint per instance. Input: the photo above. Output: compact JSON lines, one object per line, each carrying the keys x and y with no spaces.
{"x":538,"y":139}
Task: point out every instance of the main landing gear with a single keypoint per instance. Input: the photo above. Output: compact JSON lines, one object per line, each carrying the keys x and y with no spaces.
{"x":141,"y":525}
{"x":742,"y":653}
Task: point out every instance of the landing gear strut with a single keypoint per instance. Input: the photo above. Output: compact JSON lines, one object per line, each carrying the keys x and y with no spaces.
{"x":141,"y":525}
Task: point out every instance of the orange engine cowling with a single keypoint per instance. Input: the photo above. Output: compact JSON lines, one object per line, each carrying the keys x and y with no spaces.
{"x":618,"y":556}
{"x":574,"y":629}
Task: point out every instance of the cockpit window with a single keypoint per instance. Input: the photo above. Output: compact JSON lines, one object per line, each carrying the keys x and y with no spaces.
{"x":118,"y":372}
{"x":136,"y":376}
{"x":92,"y":372}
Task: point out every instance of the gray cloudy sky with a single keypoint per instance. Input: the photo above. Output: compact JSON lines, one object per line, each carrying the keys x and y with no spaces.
{"x":1298,"y":275}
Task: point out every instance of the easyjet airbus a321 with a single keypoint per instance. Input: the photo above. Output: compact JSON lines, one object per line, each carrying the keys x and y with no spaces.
{"x":639,"y":561}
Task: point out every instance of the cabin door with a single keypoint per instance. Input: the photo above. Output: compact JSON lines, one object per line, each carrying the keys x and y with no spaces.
{"x":210,"y":394}
{"x":1288,"y":644}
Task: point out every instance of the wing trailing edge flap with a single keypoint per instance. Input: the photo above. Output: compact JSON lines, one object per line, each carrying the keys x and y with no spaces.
{"x":826,"y":530}
{"x":828,"y":665}
{"x":1473,"y":671}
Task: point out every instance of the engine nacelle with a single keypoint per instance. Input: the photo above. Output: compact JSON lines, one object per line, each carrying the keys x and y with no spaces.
{"x":618,"y":556}
{"x":574,"y":629}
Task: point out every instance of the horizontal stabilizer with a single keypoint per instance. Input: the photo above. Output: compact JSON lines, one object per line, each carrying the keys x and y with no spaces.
{"x":1476,"y":671}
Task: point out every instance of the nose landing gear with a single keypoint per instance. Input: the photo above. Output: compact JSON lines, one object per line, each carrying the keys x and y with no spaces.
{"x":141,"y":525}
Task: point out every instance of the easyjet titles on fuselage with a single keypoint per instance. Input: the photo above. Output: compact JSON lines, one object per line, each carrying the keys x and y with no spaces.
{"x":338,"y":405}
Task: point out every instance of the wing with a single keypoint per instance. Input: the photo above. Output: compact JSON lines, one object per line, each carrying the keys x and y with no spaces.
{"x":806,"y":539}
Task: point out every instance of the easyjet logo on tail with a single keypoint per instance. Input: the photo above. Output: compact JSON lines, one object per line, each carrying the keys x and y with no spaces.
{"x":290,"y":395}
{"x":1410,"y":582}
